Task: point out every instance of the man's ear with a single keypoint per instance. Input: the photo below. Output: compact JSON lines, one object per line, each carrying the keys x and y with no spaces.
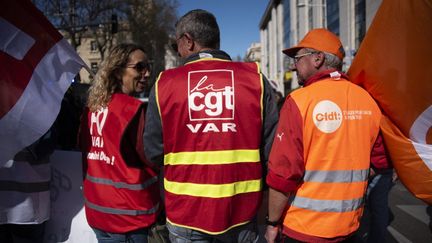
{"x":319,"y":60}
{"x":190,"y":44}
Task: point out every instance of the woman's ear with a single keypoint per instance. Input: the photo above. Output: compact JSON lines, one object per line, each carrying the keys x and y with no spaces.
{"x":118,"y":74}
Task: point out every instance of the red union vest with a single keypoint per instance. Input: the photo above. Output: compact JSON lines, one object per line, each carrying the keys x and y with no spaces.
{"x":121,"y":194}
{"x":211,"y":112}
{"x":337,"y":115}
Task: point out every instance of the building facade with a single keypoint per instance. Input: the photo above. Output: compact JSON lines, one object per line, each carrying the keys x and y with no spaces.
{"x":285,"y":22}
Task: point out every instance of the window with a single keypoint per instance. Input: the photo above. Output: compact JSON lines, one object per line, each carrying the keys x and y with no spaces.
{"x":360,"y":21}
{"x":333,"y":16}
{"x":93,"y":46}
{"x":94,"y":67}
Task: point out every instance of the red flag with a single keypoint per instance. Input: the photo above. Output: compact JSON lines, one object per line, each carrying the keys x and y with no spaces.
{"x":36,"y":68}
{"x":393,"y":64}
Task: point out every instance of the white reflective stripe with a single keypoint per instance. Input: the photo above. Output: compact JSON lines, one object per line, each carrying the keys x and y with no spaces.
{"x":327,"y":205}
{"x":121,"y":211}
{"x":27,"y":207}
{"x":24,"y":172}
{"x":14,"y":41}
{"x":336,"y":175}
{"x":119,"y":185}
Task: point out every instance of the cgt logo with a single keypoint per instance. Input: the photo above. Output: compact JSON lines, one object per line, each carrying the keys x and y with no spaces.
{"x":211,"y":95}
{"x":327,"y":116}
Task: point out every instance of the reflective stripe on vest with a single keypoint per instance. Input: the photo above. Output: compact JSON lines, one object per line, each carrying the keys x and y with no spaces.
{"x":124,"y":185}
{"x":213,"y":190}
{"x":212,"y":157}
{"x":336,"y":176}
{"x":327,"y":205}
{"x":26,"y":187}
{"x":121,"y":211}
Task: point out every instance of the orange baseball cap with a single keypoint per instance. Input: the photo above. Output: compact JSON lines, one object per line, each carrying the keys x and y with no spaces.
{"x":320,"y":40}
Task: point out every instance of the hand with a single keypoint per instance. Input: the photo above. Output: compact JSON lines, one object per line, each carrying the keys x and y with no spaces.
{"x":271,"y":233}
{"x":371,"y":173}
{"x":395,"y":177}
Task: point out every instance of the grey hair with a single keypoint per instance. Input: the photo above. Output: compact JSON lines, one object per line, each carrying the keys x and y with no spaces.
{"x":202,"y":26}
{"x":330,"y":60}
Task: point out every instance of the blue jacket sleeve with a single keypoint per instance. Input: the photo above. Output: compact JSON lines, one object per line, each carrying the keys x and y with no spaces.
{"x":153,"y":143}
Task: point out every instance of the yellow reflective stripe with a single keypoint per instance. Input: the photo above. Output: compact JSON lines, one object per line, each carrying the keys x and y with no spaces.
{"x":157,"y":94}
{"x":261,"y":95}
{"x":212,"y":157}
{"x":206,"y":231}
{"x":208,"y":59}
{"x":212,"y":190}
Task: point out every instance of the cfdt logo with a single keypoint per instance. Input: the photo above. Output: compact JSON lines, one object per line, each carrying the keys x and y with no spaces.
{"x":211,"y":95}
{"x":327,"y":116}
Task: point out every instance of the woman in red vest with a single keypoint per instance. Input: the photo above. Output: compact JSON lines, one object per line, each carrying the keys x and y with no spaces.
{"x":120,"y":188}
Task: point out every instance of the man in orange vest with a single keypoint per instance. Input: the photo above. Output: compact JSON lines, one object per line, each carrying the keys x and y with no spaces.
{"x":212,"y":121}
{"x":328,"y":135}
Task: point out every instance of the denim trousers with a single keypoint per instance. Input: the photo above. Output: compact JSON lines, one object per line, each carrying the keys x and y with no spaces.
{"x":377,"y":205}
{"x":136,"y":236}
{"x":247,"y":233}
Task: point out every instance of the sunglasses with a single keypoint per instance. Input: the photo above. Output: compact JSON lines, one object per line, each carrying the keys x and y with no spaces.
{"x":298,"y":57}
{"x":140,"y":66}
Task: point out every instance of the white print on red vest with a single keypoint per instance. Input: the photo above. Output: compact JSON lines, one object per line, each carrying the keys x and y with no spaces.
{"x":327,"y":116}
{"x":97,"y":121}
{"x":211,"y":98}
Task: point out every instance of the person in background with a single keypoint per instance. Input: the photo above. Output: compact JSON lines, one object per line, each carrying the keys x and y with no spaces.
{"x":120,"y":187}
{"x":321,"y":154}
{"x":218,"y":121}
{"x":377,"y":206}
{"x":279,"y":98}
{"x":25,"y":192}
{"x":68,"y":119}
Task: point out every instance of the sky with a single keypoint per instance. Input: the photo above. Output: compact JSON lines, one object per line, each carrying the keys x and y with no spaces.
{"x":238,"y":21}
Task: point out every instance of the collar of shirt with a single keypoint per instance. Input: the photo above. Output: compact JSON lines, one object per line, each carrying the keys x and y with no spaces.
{"x":208,"y":54}
{"x":332,"y":73}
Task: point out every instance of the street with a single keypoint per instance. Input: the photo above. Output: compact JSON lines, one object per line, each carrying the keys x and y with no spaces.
{"x":411,"y":217}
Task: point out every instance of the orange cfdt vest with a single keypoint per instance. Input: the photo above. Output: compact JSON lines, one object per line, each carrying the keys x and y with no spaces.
{"x":121,"y":193}
{"x":211,"y":112}
{"x":341,"y":123}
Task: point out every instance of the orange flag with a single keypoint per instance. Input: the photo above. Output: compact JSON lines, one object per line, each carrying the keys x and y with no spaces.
{"x":394,"y":65}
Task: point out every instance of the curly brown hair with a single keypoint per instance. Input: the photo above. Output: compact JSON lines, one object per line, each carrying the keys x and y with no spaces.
{"x":108,"y":79}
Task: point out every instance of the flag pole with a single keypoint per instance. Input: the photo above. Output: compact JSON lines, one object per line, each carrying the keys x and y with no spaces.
{"x":92,"y":74}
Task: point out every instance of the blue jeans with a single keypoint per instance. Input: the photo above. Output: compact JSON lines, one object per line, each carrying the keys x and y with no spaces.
{"x":247,"y":233}
{"x":136,"y":236}
{"x":377,"y":205}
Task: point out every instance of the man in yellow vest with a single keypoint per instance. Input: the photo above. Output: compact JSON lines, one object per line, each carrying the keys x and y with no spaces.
{"x":328,"y":135}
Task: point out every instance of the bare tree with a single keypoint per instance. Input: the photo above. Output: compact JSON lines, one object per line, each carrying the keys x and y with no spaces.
{"x":151,"y":24}
{"x":146,"y":22}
